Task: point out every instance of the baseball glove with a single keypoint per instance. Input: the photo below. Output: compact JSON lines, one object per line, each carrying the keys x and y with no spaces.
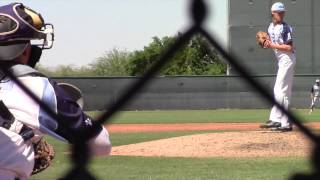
{"x":262,"y":38}
{"x":44,"y":154}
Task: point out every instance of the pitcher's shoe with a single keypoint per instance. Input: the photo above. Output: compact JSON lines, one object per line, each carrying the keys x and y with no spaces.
{"x":283,"y":129}
{"x":310,"y":112}
{"x":270,"y":124}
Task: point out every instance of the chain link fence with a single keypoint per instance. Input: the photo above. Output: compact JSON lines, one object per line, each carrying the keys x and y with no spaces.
{"x":198,"y":10}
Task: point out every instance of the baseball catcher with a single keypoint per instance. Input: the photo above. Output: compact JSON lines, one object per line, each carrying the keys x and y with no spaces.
{"x":23,"y":123}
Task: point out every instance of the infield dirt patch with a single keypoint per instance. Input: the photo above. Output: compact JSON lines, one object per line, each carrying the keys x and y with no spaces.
{"x":227,"y":144}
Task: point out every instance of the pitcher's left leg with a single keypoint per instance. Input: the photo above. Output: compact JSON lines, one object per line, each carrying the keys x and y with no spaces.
{"x":286,"y":72}
{"x":285,"y":121}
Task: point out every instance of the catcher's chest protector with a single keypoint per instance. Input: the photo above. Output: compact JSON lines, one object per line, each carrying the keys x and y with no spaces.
{"x":28,"y":112}
{"x":23,"y":108}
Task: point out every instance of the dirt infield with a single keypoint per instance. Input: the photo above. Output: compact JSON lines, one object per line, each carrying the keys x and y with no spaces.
{"x":227,"y":144}
{"x":131,"y":128}
{"x":248,"y":143}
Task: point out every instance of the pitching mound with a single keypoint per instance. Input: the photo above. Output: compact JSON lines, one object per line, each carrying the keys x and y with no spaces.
{"x":228,"y":144}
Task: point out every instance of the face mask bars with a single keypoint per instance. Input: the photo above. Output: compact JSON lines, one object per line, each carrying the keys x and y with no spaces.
{"x":80,"y":155}
{"x":46,"y":42}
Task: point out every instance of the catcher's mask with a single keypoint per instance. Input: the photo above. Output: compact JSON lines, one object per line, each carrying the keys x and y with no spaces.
{"x":19,"y":25}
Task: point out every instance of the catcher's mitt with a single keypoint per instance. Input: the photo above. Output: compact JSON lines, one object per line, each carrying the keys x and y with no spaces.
{"x":262,"y":38}
{"x":44,"y":154}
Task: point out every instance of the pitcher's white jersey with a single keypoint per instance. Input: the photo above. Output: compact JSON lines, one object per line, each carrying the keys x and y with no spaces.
{"x":281,"y":34}
{"x":315,"y":90}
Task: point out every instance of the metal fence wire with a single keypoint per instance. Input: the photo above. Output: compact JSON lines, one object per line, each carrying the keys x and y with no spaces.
{"x":198,"y":11}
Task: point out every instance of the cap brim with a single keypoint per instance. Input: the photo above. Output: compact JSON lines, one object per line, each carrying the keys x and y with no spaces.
{"x":278,"y":10}
{"x":11,"y":52}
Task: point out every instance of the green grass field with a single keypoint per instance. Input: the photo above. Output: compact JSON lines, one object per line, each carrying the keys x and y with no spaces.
{"x":147,"y":168}
{"x":176,"y":168}
{"x":201,"y":116}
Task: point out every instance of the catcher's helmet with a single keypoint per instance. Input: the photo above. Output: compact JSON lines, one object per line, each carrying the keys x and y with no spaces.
{"x":278,"y":7}
{"x":18,"y":26}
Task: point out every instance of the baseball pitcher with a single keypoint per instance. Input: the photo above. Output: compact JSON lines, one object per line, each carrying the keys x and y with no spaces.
{"x":23,"y":122}
{"x":279,"y":38}
{"x":314,"y":94}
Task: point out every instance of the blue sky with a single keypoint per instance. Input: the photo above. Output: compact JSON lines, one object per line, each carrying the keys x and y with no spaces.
{"x":84,"y":30}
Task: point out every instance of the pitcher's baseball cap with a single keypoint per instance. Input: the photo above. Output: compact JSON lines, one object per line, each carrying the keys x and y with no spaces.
{"x":18,"y":26}
{"x":278,"y":7}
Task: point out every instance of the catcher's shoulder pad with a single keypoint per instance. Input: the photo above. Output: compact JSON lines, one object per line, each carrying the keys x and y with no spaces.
{"x":74,"y":92}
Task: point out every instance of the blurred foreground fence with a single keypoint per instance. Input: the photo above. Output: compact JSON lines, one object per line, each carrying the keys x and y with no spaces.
{"x":187,"y":92}
{"x":80,"y":155}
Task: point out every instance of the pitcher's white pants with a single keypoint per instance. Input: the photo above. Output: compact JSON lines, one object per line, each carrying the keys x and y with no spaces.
{"x":314,"y":101}
{"x":283,"y":89}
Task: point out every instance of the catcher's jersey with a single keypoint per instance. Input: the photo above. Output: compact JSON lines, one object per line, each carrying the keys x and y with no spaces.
{"x":315,"y":90}
{"x":281,"y":34}
{"x":28,"y":112}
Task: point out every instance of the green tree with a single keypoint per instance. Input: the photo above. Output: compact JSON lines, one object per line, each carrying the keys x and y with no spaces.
{"x":112,"y":63}
{"x":65,"y":71}
{"x":142,"y":60}
{"x":205,"y":58}
{"x":195,"y":58}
